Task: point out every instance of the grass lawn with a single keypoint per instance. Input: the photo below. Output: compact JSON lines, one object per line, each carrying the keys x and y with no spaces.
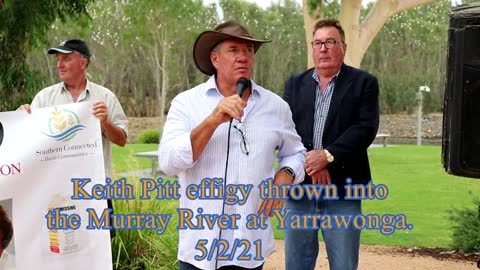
{"x":422,"y":190}
{"x":418,"y":187}
{"x":123,"y":159}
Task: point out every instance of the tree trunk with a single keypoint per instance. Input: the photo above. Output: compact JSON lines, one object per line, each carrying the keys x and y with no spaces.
{"x":49,"y":67}
{"x":164,"y":80}
{"x":309,"y":19}
{"x":358,"y":35}
{"x":157,"y":69}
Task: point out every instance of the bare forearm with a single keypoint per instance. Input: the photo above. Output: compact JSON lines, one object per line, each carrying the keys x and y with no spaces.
{"x":114,"y":133}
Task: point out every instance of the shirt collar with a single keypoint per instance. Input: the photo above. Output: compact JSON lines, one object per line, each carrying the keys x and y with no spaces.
{"x":317,"y":79}
{"x":63,"y":87}
{"x":211,"y":87}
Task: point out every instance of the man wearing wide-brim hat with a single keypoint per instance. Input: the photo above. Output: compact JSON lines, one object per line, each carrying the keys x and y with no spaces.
{"x":214,"y":135}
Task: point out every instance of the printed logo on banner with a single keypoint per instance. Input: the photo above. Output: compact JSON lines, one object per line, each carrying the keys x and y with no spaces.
{"x":1,"y":134}
{"x":63,"y":125}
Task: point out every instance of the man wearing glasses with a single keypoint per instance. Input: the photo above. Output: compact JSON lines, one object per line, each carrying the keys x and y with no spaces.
{"x":212,"y":132}
{"x":335,"y":109}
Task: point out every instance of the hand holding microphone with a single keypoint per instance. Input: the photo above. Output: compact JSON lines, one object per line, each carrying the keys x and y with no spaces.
{"x":242,"y":85}
{"x":232,"y":106}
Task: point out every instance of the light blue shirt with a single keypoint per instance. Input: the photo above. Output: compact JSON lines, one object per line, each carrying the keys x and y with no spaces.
{"x":269,"y":127}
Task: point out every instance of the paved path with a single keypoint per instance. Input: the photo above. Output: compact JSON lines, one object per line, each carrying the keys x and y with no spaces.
{"x":377,"y":258}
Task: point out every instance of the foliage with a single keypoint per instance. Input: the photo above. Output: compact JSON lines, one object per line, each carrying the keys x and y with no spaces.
{"x":142,"y":50}
{"x":283,"y":24}
{"x":142,"y":249}
{"x":24,"y":24}
{"x":466,"y":228}
{"x":145,"y":249}
{"x":410,"y":51}
{"x":149,"y":136}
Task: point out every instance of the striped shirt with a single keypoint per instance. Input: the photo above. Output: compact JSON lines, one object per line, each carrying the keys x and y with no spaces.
{"x":322,"y":105}
{"x":268,"y":127}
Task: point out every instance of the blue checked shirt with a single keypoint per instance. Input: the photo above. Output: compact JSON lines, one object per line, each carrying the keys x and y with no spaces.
{"x":322,"y":105}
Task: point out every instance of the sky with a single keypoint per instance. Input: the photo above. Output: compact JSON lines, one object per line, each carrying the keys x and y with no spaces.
{"x":260,"y":3}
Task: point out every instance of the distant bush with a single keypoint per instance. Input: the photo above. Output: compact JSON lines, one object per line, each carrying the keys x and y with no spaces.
{"x":466,"y":228}
{"x":149,"y":136}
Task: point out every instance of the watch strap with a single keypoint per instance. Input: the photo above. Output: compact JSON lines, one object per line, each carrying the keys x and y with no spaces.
{"x":289,"y":171}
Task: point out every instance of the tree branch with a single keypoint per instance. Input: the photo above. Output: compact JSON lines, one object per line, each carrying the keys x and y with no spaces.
{"x":381,"y":11}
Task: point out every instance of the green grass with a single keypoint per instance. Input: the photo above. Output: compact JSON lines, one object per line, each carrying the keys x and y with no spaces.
{"x":418,"y":186}
{"x":142,"y":249}
{"x":145,"y":249}
{"x":123,"y":159}
{"x":422,"y":190}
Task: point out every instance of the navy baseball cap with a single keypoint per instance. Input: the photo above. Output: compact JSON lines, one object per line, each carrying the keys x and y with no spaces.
{"x":70,"y":46}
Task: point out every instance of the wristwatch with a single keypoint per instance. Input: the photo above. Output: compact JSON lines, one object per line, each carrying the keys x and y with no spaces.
{"x":330,"y":157}
{"x":289,"y":171}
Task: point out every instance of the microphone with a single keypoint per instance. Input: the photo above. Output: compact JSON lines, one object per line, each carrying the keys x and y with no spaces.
{"x":242,"y":85}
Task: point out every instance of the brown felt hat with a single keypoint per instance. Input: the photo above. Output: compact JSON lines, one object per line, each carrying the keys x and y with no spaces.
{"x":207,"y":40}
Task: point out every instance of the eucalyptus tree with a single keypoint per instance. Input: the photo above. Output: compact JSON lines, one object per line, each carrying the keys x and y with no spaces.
{"x":165,"y":31}
{"x":358,"y":30}
{"x":283,"y":24}
{"x":410,"y":51}
{"x":23,"y":26}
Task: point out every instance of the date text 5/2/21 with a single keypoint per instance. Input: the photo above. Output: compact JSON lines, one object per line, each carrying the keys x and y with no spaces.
{"x":223,"y":250}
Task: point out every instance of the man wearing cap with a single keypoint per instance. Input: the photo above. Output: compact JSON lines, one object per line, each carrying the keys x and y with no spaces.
{"x":212,"y":133}
{"x":73,"y":57}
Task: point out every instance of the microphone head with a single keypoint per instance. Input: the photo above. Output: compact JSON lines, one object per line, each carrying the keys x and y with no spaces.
{"x":242,"y":85}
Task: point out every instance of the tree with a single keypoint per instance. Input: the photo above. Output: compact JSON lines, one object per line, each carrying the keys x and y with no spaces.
{"x":142,"y":49}
{"x":358,"y":32}
{"x":24,"y":25}
{"x":283,"y":24}
{"x":164,"y":31}
{"x":408,"y":52}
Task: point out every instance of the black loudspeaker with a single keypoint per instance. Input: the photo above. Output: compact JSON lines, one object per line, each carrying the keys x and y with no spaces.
{"x":461,"y":111}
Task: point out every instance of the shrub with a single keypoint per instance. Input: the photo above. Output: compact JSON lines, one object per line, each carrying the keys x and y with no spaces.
{"x":466,"y":228}
{"x":149,"y":136}
{"x":144,"y":249}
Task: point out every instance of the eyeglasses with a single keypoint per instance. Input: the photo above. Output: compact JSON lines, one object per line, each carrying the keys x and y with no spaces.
{"x":240,"y":127}
{"x":329,"y":43}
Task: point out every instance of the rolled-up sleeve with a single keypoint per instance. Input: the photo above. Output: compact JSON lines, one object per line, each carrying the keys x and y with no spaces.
{"x":116,"y":113}
{"x":175,"y":149}
{"x":292,"y":152}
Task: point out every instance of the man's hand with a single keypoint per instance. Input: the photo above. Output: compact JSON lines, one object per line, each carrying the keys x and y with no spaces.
{"x":229,"y":107}
{"x":281,"y":178}
{"x":25,"y":107}
{"x":315,"y":161}
{"x":321,"y":177}
{"x":113,"y":133}
{"x":100,"y":111}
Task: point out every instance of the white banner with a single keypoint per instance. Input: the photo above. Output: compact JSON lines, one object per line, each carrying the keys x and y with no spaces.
{"x":39,"y":155}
